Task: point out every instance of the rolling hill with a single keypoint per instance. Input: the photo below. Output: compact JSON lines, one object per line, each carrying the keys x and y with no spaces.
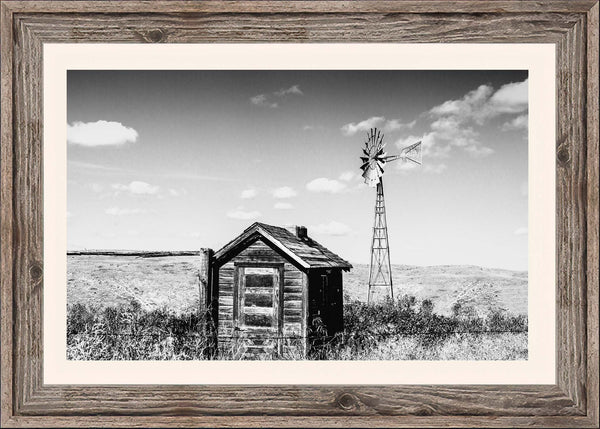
{"x":172,"y":282}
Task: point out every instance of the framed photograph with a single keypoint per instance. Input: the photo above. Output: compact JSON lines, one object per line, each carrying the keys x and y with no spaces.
{"x":195,"y":229}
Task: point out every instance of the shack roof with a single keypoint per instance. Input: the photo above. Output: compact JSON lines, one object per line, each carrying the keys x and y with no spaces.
{"x":305,"y":251}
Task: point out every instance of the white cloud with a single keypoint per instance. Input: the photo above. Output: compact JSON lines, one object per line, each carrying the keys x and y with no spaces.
{"x":353,"y":128}
{"x":395,"y":124}
{"x":450,"y":131}
{"x":283,"y":206}
{"x":454,"y":132}
{"x":518,"y":123}
{"x":347,"y":176}
{"x":510,"y":98}
{"x":266,"y":100}
{"x":322,"y":184}
{"x":446,"y":124}
{"x":262,"y":100}
{"x":331,"y":228}
{"x":242,"y":214}
{"x":521,"y":231}
{"x":100,"y":133}
{"x":248,"y":193}
{"x":284,"y":192}
{"x":137,"y":188}
{"x":455,"y":122}
{"x":116,"y":211}
{"x":483,"y":103}
{"x":389,"y":125}
{"x":294,"y":89}
{"x":466,"y":106}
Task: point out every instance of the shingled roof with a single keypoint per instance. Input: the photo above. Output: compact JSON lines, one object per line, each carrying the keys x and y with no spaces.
{"x":305,"y":251}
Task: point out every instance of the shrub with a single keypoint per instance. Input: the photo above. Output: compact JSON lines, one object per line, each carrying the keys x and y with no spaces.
{"x":368,"y":326}
{"x":132,"y":333}
{"x":79,"y":319}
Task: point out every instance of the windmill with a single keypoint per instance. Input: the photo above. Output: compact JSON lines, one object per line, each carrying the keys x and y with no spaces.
{"x":373,"y":161}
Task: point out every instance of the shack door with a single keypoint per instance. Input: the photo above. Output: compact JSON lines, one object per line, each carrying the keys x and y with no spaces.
{"x":257,"y":315}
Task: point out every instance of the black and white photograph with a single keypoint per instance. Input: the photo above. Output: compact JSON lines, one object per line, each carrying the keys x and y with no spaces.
{"x":345,"y":215}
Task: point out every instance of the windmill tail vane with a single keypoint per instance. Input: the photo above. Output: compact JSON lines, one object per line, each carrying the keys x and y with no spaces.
{"x":373,"y":162}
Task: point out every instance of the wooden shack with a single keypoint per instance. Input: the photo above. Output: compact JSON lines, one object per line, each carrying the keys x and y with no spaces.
{"x":270,"y":289}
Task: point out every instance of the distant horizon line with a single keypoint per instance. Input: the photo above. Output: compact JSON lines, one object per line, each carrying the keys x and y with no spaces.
{"x":176,"y":253}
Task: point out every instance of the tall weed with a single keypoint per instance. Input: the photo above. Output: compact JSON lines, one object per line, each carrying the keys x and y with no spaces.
{"x":398,"y":329}
{"x":131,"y":333}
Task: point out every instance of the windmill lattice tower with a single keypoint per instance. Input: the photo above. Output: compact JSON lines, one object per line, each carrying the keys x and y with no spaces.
{"x":373,"y":161}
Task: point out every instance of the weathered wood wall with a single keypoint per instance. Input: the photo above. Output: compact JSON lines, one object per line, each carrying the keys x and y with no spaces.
{"x":294,"y":281}
{"x":204,"y":278}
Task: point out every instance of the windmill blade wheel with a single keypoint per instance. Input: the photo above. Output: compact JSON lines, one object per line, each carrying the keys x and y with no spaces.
{"x":374,"y":159}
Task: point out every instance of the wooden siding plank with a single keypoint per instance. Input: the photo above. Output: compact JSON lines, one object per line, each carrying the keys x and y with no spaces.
{"x":225,"y":301}
{"x":292,"y":296}
{"x":226,"y":278}
{"x":268,"y":311}
{"x":293,"y":274}
{"x":226,"y":272}
{"x":293,"y":304}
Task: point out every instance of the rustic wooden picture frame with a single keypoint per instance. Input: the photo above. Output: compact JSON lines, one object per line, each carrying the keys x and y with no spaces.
{"x":571,"y":25}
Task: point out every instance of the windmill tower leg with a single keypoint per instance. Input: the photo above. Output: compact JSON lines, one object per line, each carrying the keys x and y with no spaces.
{"x":380,"y":274}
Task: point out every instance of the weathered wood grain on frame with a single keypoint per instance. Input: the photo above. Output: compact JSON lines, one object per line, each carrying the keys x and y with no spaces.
{"x":571,"y":25}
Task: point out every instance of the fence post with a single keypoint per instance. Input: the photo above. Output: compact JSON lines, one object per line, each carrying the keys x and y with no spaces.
{"x":205,"y":277}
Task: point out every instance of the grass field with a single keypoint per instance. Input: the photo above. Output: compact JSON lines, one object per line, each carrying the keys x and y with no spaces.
{"x":110,"y":281}
{"x":463,"y":346}
{"x":134,"y":308}
{"x":402,"y":329}
{"x":172,"y":282}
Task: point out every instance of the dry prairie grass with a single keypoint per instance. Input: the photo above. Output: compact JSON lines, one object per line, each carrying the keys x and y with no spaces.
{"x":389,"y":331}
{"x":172,"y":282}
{"x":162,"y":323}
{"x":444,"y":284}
{"x":462,"y":346}
{"x":110,"y":281}
{"x":133,"y":333}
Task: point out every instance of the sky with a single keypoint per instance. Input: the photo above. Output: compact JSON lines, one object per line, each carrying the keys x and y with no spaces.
{"x":180,"y":160}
